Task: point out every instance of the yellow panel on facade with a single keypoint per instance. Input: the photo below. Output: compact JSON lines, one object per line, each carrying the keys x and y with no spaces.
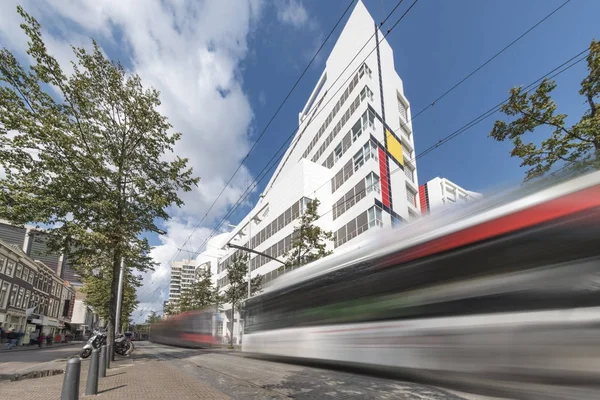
{"x":394,"y":147}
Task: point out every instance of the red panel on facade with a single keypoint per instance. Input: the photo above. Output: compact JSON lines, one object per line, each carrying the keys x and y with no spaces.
{"x":423,"y":199}
{"x":385,"y":189}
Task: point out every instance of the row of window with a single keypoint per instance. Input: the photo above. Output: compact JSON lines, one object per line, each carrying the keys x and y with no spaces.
{"x":368,"y":151}
{"x":275,"y":251}
{"x":23,"y":298}
{"x":42,"y":282}
{"x":357,"y":193}
{"x":365,"y":123}
{"x":283,"y":220}
{"x":364,"y":221}
{"x":364,"y":69}
{"x":354,"y":131}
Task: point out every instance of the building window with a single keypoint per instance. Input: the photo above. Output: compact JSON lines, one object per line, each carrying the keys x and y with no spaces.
{"x":13,"y":295}
{"x":411,"y":197}
{"x":374,"y":214}
{"x":10,"y":266}
{"x":366,"y":93}
{"x":25,"y":274}
{"x":359,"y":160}
{"x":410,"y":174}
{"x":402,"y":109}
{"x":337,"y":153}
{"x":370,"y":150}
{"x":20,"y":295}
{"x":4,"y":294}
{"x":364,"y":70}
{"x":356,"y":131}
{"x":2,"y":262}
{"x":405,"y":130}
{"x":19,"y":271}
{"x":372,"y":182}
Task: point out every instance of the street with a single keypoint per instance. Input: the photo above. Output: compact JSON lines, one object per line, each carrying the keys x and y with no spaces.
{"x":240,"y":377}
{"x":17,"y":361}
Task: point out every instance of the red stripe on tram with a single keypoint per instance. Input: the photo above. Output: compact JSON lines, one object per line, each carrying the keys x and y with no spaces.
{"x":569,"y":204}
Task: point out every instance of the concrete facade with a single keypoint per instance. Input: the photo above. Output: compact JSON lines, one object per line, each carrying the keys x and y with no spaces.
{"x":439,"y":193}
{"x":353,"y":151}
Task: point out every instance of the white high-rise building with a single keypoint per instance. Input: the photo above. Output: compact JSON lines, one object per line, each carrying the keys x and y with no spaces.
{"x":439,"y":193}
{"x":353,"y":151}
{"x":183,"y":275}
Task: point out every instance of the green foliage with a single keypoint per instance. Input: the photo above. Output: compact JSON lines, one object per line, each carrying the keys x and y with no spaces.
{"x":579,"y":143}
{"x":88,"y":155}
{"x":97,"y":293}
{"x":152,"y":318}
{"x":170,"y":308}
{"x":202,"y":294}
{"x":309,"y":240}
{"x":237,"y":274}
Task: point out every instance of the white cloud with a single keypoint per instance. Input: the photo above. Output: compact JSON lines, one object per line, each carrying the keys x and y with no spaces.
{"x":292,"y":12}
{"x":189,"y":50}
{"x":262,"y":98}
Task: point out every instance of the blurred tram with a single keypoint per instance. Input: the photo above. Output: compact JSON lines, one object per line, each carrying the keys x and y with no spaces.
{"x":194,"y":329}
{"x":503,"y":294}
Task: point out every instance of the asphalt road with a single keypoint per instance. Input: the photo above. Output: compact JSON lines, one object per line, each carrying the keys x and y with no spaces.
{"x":16,"y":361}
{"x":241,"y":377}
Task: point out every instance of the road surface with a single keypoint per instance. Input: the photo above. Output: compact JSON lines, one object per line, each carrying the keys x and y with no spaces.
{"x":241,"y":377}
{"x":16,"y":361}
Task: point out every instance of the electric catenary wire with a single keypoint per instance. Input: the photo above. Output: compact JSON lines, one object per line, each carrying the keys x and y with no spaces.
{"x":254,"y":184}
{"x":267,"y":168}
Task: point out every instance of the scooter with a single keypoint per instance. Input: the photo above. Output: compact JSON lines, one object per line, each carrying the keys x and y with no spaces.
{"x":96,"y":340}
{"x":123,"y":345}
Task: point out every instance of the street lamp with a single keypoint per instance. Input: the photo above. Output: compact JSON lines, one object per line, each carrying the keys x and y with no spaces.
{"x":120,"y":289}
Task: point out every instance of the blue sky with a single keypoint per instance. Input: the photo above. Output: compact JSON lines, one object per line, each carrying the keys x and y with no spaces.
{"x":435,"y":46}
{"x":254,"y":50}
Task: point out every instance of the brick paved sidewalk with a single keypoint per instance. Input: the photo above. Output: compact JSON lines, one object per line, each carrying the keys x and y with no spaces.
{"x":127,"y":379}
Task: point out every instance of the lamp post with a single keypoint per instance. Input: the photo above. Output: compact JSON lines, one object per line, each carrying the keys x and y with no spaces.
{"x":120,"y":289}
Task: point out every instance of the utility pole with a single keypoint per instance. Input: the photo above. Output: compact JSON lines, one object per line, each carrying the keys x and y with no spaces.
{"x":120,"y":296}
{"x":249,"y":259}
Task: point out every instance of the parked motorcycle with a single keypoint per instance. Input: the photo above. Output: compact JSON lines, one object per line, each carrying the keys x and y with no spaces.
{"x":96,"y":340}
{"x":123,"y":346}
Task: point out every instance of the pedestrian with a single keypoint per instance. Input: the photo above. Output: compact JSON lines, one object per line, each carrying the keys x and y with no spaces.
{"x":12,"y":338}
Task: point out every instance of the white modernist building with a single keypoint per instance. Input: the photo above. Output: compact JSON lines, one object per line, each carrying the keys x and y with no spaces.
{"x":183,"y":275}
{"x":439,"y":193}
{"x":353,"y":151}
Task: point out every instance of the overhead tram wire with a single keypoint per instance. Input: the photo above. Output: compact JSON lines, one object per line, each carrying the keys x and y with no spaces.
{"x":484,"y":116}
{"x":322,"y":108}
{"x":272,"y":118}
{"x":492,"y":58}
{"x":478,"y":68}
{"x":242,"y":198}
{"x":269,"y":123}
{"x":436,"y":100}
{"x":267,"y":168}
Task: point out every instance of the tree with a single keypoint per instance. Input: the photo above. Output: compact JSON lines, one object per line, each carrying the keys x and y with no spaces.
{"x":170,"y":308}
{"x":238,"y":285}
{"x":97,"y":293}
{"x":152,"y":318}
{"x":309,"y":240}
{"x":88,"y":156}
{"x":201,"y":294}
{"x":579,"y":143}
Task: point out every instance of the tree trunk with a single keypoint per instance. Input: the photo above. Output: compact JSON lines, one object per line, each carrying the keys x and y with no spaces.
{"x":232,"y":315}
{"x":114,"y":288}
